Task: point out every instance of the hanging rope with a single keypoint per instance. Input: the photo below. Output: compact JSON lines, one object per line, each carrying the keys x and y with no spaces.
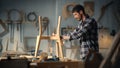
{"x":34,"y":17}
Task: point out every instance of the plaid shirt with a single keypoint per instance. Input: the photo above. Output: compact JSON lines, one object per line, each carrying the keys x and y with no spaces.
{"x":87,"y":34}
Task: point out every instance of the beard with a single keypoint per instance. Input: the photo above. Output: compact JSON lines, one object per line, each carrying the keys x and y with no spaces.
{"x":79,"y":19}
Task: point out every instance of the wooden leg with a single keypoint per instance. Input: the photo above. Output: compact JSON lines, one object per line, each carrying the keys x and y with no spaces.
{"x":37,"y":45}
{"x":60,"y":50}
{"x":57,"y":52}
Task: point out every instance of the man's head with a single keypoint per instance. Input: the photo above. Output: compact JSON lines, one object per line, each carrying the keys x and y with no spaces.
{"x":78,"y":11}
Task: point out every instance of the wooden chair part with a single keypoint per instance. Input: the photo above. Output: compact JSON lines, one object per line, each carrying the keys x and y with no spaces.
{"x":56,"y":37}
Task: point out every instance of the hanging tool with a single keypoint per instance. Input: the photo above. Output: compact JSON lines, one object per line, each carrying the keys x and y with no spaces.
{"x":6,"y":49}
{"x":10,"y":30}
{"x":4,"y":27}
{"x":14,"y":20}
{"x":1,"y":47}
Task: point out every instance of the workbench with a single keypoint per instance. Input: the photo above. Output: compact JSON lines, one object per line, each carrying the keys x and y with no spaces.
{"x":58,"y":64}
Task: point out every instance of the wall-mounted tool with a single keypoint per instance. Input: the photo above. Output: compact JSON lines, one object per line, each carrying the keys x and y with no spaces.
{"x":32,"y":17}
{"x":1,"y":47}
{"x":15,"y":16}
{"x":4,"y":28}
{"x":104,"y":7}
{"x":45,"y":24}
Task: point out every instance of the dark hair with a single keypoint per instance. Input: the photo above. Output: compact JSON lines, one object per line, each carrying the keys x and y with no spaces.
{"x":77,"y":8}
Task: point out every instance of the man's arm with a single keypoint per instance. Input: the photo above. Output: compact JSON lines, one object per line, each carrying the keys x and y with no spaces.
{"x":81,"y":31}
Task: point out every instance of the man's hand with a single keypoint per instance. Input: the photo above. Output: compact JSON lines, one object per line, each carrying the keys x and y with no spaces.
{"x":66,"y":37}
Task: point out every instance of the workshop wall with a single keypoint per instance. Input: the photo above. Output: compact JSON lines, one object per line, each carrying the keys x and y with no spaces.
{"x":44,"y":8}
{"x":108,"y":19}
{"x":51,"y":9}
